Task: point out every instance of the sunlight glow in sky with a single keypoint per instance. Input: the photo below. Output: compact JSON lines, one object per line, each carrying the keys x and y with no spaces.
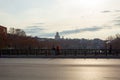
{"x":72,"y":18}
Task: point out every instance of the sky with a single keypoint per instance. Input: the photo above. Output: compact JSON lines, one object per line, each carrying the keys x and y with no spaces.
{"x":71,"y":18}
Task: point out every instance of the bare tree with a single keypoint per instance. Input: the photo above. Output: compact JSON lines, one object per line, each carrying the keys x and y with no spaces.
{"x":18,"y":32}
{"x":117,"y":35}
{"x":12,"y":31}
{"x":110,"y":38}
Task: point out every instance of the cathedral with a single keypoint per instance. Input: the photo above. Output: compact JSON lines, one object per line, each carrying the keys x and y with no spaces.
{"x":57,"y":36}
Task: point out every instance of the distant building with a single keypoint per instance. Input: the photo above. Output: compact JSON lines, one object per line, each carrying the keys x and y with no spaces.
{"x":3,"y":30}
{"x":3,"y":36}
{"x":57,"y":36}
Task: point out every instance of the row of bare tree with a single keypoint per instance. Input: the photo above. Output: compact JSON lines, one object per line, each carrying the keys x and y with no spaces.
{"x":26,"y":42}
{"x":15,"y":41}
{"x":114,"y":41}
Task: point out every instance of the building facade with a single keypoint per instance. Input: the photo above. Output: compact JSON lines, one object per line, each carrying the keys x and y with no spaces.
{"x":3,"y":36}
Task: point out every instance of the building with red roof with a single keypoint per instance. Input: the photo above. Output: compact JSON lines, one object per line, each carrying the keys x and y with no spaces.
{"x":3,"y":36}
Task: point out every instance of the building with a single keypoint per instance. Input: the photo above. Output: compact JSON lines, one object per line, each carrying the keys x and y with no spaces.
{"x":57,"y":36}
{"x":3,"y":30}
{"x":3,"y":36}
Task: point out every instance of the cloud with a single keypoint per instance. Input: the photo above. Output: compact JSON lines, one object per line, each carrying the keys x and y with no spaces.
{"x":39,"y":23}
{"x":116,"y":21}
{"x":40,"y":31}
{"x":118,"y":17}
{"x":117,"y":10}
{"x":92,"y":29}
{"x":106,"y":11}
{"x":52,"y":34}
{"x":34,"y":30}
{"x":118,"y":24}
{"x":75,"y":31}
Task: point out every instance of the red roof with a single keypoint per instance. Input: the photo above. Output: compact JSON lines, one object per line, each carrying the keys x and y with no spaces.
{"x":2,"y":26}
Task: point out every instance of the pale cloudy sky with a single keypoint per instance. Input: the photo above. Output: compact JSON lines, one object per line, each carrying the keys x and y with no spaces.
{"x":72,"y":18}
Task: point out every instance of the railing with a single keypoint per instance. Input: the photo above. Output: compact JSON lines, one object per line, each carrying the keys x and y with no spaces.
{"x":61,"y":53}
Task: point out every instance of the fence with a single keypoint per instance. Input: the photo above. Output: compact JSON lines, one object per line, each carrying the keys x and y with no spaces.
{"x":61,"y":53}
